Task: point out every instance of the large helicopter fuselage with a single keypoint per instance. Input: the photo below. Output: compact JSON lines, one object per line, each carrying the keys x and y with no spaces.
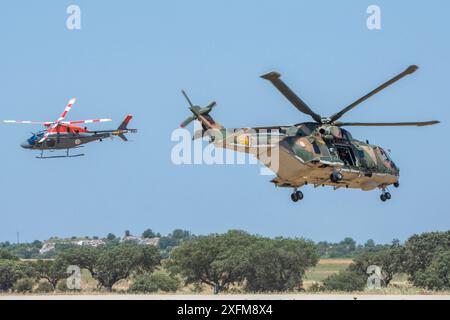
{"x":309,"y":153}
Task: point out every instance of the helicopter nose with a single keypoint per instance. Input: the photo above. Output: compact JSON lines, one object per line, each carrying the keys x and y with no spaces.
{"x":25,"y":145}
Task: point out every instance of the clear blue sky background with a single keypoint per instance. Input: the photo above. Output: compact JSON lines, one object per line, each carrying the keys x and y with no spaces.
{"x":135,"y":56}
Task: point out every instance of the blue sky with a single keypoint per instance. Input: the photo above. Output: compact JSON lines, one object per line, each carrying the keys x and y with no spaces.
{"x":135,"y":56}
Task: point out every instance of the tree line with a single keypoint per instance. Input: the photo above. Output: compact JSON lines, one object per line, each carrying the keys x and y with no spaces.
{"x":235,"y":260}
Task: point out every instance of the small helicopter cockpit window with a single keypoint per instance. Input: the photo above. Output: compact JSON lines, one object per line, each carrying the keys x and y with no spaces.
{"x":34,"y":138}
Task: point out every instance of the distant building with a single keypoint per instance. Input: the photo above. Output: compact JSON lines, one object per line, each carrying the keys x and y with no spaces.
{"x":92,"y":243}
{"x":46,"y":247}
{"x":142,"y":241}
{"x":50,"y":245}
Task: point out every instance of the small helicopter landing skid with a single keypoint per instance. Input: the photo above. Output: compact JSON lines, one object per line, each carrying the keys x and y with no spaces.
{"x":41,"y":156}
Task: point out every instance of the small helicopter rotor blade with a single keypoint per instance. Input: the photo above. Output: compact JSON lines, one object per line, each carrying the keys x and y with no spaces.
{"x":411,"y":69}
{"x":66,"y":111}
{"x":50,"y":130}
{"x":86,"y":121}
{"x":386,"y":124}
{"x":44,"y":123}
{"x":187,"y":98}
{"x":274,"y":77}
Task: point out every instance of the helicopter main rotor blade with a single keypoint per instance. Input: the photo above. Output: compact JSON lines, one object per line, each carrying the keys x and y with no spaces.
{"x":187,"y":98}
{"x":386,"y":124}
{"x":274,"y":77}
{"x":411,"y":69}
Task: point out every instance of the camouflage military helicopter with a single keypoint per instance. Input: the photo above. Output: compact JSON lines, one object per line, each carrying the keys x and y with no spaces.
{"x":68,"y":135}
{"x":320,"y":153}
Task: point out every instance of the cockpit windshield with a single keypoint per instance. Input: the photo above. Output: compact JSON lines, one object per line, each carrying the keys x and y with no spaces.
{"x":385,"y":155}
{"x":35,"y":137}
{"x":346,"y":135}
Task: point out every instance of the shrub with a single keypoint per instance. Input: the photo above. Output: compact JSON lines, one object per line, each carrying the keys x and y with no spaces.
{"x":62,"y":285}
{"x":23,"y":285}
{"x":5,"y":255}
{"x":153,"y":282}
{"x":345,"y":281}
{"x":44,"y":287}
{"x":315,"y":287}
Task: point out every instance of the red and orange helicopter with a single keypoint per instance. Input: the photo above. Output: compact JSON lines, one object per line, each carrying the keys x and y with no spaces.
{"x":68,"y":135}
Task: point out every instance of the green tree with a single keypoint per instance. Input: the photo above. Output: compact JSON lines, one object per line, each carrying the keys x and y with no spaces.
{"x":117,"y":263}
{"x":148,"y":233}
{"x":109,"y":264}
{"x":11,"y":271}
{"x":110,"y":237}
{"x":421,"y":250}
{"x":215,"y":260}
{"x":437,"y":275}
{"x":51,"y":270}
{"x":279,"y":264}
{"x":388,"y":259}
{"x":180,"y":234}
{"x":84,"y":257}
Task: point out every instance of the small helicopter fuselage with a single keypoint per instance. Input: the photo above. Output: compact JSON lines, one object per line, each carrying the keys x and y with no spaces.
{"x":61,"y":134}
{"x":64,"y":137}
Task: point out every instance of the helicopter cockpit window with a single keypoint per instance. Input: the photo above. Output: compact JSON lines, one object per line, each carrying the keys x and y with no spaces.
{"x":346,"y":135}
{"x":384,"y":155}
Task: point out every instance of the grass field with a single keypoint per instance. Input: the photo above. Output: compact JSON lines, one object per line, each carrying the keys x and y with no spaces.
{"x":325,"y":268}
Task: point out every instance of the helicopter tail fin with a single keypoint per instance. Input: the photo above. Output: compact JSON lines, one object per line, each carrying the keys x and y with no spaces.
{"x":123,"y":128}
{"x":124,"y":124}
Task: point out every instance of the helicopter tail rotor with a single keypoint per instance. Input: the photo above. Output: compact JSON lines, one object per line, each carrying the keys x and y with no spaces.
{"x":201,"y":114}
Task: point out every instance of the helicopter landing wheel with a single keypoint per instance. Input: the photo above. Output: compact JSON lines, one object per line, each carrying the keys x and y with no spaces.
{"x":397,"y":184}
{"x":336,"y":176}
{"x":296,"y":196}
{"x":385,"y":196}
